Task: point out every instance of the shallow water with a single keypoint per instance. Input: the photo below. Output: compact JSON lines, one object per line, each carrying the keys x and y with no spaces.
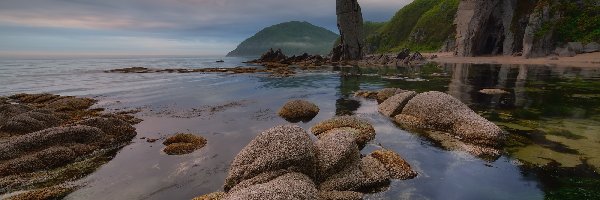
{"x":540,"y":98}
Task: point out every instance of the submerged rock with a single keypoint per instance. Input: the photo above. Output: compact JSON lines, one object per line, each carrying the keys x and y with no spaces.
{"x":283,"y":147}
{"x":183,"y":143}
{"x":298,"y":110}
{"x":493,"y":91}
{"x":363,"y":131}
{"x":394,"y":105}
{"x":396,"y":166}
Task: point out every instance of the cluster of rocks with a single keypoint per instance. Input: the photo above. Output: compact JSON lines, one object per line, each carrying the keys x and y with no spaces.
{"x":441,"y":118}
{"x":183,"y":143}
{"x":276,"y":59}
{"x":142,"y":70}
{"x":298,"y":110}
{"x":573,"y":48}
{"x":47,"y":140}
{"x":403,"y":58}
{"x":285,"y":163}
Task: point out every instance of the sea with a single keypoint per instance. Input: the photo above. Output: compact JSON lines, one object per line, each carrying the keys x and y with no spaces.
{"x":229,"y":110}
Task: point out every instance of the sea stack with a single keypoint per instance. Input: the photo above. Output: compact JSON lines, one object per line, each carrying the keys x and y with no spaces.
{"x":350,"y":22}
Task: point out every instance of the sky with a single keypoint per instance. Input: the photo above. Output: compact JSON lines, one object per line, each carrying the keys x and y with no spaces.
{"x":157,"y":27}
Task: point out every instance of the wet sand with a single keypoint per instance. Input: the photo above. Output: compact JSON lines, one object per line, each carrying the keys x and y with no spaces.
{"x":580,"y":60}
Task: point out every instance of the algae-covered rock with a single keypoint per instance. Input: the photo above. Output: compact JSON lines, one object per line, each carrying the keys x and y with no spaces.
{"x":394,"y":105}
{"x":340,"y":195}
{"x":366,"y":175}
{"x":31,"y":121}
{"x":298,"y":110}
{"x":211,"y":196}
{"x":362,"y":129}
{"x":183,"y":143}
{"x":44,"y":143}
{"x":114,"y":127}
{"x":396,"y":166}
{"x":20,"y":145}
{"x":290,"y":186}
{"x":43,"y":160}
{"x":282,"y":147}
{"x":54,"y":192}
{"x":334,"y":152}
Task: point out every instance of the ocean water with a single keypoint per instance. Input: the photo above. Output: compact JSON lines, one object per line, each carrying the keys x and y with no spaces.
{"x":247,"y":105}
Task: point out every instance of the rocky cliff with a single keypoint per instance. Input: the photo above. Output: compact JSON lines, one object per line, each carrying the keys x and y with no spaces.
{"x":350,"y":22}
{"x":532,"y":28}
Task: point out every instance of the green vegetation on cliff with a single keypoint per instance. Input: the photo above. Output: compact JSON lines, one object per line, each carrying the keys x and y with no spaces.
{"x":293,"y":38}
{"x":580,"y":21}
{"x":421,"y":25}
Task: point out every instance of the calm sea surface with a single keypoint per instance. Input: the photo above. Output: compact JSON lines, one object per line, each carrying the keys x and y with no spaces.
{"x":546,"y":105}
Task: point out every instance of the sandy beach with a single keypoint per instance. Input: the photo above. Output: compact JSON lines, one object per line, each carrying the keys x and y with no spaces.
{"x":580,"y":60}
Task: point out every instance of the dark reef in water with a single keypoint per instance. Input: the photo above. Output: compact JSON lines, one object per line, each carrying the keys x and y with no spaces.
{"x":48,"y":140}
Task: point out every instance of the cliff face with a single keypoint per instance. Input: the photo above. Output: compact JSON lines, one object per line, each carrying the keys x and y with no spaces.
{"x":504,"y":27}
{"x":350,"y":23}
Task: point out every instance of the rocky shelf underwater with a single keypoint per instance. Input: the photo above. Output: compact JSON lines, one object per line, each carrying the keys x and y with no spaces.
{"x":341,"y":132}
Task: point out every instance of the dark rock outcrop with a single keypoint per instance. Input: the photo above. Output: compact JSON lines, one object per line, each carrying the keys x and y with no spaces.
{"x":46,"y":140}
{"x":350,"y":22}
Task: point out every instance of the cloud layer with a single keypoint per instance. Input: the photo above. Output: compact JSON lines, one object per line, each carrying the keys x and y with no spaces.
{"x":193,"y":26}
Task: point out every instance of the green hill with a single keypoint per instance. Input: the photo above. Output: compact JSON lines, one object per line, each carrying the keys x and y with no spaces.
{"x":421,"y":25}
{"x":293,"y":38}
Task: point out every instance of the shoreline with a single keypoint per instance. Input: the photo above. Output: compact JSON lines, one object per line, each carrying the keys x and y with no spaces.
{"x":580,"y":60}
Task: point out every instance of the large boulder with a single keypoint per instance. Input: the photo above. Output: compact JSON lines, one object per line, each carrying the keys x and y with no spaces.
{"x":364,"y":175}
{"x":334,"y":152}
{"x":363,"y":131}
{"x":290,"y":186}
{"x":298,"y":110}
{"x":394,"y":105}
{"x":440,"y":111}
{"x":282,"y":147}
